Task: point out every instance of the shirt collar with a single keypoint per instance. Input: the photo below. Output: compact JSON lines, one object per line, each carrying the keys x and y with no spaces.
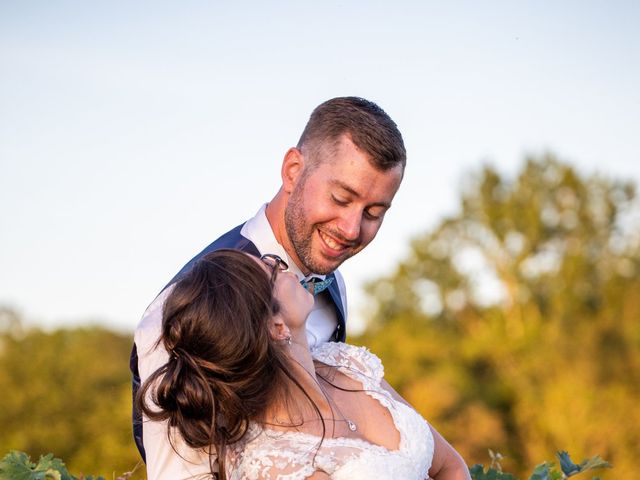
{"x":258,"y":230}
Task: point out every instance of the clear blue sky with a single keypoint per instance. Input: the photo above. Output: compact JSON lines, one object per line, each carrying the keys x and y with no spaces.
{"x":134,"y":133}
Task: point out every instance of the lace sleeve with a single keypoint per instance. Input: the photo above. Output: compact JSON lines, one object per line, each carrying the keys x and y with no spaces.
{"x":357,"y":362}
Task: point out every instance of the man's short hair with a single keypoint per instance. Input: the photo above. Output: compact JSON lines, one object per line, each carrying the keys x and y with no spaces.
{"x":366,"y":124}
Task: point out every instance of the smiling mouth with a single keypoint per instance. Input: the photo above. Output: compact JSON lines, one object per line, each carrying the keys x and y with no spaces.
{"x":332,"y":243}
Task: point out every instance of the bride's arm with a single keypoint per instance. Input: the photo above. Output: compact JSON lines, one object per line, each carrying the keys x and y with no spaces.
{"x":447,"y":463}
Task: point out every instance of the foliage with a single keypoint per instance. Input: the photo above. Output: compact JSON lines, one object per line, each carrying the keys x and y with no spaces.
{"x":66,"y":392}
{"x":18,"y":466}
{"x":514,"y":323}
{"x":544,"y":471}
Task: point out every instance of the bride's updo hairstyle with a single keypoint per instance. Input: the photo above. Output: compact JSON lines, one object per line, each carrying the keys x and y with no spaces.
{"x":224,"y":368}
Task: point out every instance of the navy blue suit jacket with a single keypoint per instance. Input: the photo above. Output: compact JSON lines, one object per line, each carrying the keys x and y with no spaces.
{"x":232,"y":239}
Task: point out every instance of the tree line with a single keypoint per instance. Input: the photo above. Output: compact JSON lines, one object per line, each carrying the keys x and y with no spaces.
{"x":514,"y":324}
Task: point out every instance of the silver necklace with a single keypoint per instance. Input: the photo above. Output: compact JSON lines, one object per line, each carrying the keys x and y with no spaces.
{"x":350,"y":423}
{"x":352,"y":426}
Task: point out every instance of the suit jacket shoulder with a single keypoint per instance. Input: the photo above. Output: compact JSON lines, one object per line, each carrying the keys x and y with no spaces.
{"x":231,"y":239}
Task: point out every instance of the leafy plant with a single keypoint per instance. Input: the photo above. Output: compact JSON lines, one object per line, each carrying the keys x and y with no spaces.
{"x":18,"y":466}
{"x":544,"y":471}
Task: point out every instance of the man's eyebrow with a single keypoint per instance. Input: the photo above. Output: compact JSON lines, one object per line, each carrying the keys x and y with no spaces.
{"x":349,"y":189}
{"x":344,"y":186}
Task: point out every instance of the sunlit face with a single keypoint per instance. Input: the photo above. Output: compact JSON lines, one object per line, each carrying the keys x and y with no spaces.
{"x":294,"y":300}
{"x":335,"y":210}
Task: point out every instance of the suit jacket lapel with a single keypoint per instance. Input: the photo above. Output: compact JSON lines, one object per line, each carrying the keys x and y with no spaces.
{"x":334,"y":290}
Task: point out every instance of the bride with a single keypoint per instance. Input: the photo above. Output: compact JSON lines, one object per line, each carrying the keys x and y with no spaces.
{"x":243,"y":393}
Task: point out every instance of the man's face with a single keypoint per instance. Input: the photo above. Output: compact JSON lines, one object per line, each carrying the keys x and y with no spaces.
{"x":335,"y":210}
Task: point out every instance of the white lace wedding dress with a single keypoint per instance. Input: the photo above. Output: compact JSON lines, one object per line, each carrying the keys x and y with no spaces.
{"x":290,"y":455}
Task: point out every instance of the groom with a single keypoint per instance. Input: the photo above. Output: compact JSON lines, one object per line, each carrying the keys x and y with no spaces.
{"x":337,"y":185}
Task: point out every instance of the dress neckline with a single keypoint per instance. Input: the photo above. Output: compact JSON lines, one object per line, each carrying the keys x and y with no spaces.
{"x":341,"y":440}
{"x":373,"y":390}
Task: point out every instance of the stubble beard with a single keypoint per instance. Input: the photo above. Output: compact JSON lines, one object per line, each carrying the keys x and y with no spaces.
{"x":300,"y":233}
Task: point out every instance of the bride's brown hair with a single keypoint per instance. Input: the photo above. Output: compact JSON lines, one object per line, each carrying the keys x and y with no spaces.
{"x":224,"y":368}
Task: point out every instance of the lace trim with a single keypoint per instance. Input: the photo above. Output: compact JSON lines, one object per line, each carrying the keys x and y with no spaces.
{"x":314,"y":440}
{"x":356,"y":362}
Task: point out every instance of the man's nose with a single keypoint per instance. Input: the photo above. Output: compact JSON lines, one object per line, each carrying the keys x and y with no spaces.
{"x":349,"y":224}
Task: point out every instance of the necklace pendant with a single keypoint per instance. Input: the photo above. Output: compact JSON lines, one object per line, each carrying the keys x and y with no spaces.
{"x":352,"y":426}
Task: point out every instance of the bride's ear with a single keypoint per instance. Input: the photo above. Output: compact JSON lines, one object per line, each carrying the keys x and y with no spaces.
{"x":278,"y":329}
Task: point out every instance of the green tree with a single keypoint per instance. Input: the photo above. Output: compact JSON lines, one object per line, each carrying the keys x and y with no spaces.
{"x":513,"y":325}
{"x":67,"y":392}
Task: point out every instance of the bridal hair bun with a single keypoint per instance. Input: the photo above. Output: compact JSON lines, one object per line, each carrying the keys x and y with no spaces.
{"x":223,"y":365}
{"x":183,"y":388}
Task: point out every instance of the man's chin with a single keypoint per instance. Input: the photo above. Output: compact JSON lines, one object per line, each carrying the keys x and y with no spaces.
{"x":325,"y":266}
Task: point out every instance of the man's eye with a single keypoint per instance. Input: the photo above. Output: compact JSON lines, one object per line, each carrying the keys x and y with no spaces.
{"x":374,"y":214}
{"x":340,"y":201}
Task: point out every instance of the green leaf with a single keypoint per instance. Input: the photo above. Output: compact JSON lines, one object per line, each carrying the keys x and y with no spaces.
{"x":569,"y":468}
{"x":566,"y":464}
{"x":477,"y":472}
{"x":52,"y":475}
{"x":594,"y":463}
{"x":48,"y":463}
{"x":18,"y":466}
{"x":542,"y":472}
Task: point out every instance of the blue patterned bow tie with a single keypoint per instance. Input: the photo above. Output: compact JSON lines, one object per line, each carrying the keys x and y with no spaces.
{"x":315,"y":285}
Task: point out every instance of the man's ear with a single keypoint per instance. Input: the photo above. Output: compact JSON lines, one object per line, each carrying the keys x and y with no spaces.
{"x":292,"y":167}
{"x":278,"y":329}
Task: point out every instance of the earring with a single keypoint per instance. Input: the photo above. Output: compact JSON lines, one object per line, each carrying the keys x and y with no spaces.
{"x":287,"y":340}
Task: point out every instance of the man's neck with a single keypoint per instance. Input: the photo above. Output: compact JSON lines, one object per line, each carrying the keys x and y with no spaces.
{"x":274,"y":212}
